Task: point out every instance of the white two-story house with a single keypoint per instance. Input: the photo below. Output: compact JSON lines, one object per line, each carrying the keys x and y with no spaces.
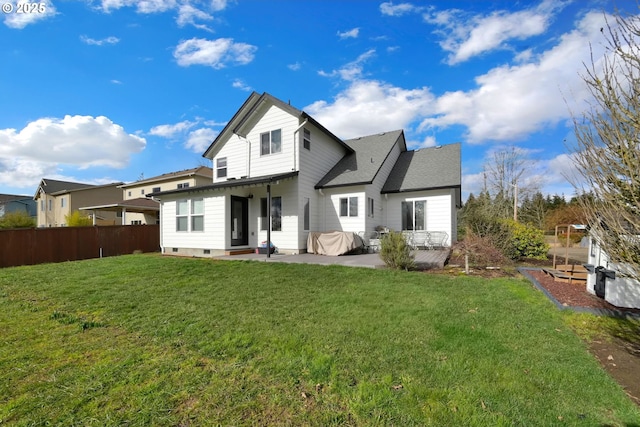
{"x":314,"y":180}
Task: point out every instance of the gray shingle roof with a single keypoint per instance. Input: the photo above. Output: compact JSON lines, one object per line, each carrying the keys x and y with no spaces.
{"x":248,"y":109}
{"x":362,"y":166}
{"x":428,"y":168}
{"x":50,"y":186}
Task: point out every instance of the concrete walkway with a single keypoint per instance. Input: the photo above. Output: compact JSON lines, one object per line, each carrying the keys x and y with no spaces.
{"x":424,"y":259}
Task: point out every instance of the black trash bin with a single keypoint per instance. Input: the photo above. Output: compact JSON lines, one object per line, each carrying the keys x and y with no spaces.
{"x":601,"y":280}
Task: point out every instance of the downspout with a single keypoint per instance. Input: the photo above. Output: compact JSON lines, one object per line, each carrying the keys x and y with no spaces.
{"x":248,"y":166}
{"x":295,"y":143}
{"x":324,"y":210}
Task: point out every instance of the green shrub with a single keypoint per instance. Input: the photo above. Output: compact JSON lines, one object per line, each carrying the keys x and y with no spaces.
{"x":395,"y":252}
{"x":17,"y":220}
{"x":518,"y":240}
{"x":76,"y":219}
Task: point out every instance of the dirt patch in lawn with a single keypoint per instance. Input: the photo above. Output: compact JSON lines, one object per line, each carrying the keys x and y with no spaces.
{"x":618,"y":354}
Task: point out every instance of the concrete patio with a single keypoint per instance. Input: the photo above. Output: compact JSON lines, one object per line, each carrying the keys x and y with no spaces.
{"x":425,"y":259}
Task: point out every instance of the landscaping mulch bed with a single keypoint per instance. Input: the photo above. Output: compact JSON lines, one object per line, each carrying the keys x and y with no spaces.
{"x":574,"y":294}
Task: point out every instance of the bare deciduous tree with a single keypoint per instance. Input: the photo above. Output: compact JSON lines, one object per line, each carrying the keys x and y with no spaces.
{"x":607,"y":152}
{"x":507,"y":176}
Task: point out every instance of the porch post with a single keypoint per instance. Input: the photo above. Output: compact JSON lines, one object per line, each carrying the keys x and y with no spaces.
{"x":268,"y":220}
{"x":94,"y":217}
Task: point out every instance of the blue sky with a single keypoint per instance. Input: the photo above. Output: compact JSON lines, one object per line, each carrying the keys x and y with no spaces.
{"x":99,"y":91}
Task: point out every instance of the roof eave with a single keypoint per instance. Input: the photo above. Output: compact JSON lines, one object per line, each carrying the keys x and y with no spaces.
{"x":228,"y":184}
{"x":349,"y":184}
{"x":409,"y":190}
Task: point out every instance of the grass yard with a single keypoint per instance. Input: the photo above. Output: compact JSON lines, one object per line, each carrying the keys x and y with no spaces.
{"x":151,"y":340}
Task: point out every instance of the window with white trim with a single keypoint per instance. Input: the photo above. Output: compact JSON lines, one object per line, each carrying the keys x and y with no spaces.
{"x":197,"y":215}
{"x":62,"y":202}
{"x":190,"y":215}
{"x":271,"y":142}
{"x":182,"y":215}
{"x":370,"y":207}
{"x":306,"y":139}
{"x":276,"y":214}
{"x":348,"y":206}
{"x":183,"y":185}
{"x":221,"y":167}
{"x":414,"y":215}
{"x":305,"y":221}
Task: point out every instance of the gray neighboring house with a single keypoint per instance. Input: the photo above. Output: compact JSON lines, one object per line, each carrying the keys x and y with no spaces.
{"x":316,"y":182}
{"x":16,"y":203}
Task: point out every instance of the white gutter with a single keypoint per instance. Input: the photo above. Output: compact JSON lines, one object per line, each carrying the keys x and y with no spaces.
{"x":295,"y":145}
{"x":248,"y":166}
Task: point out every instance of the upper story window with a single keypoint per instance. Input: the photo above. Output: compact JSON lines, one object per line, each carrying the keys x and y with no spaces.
{"x":271,"y":142}
{"x":370,"y":207}
{"x":183,"y":185}
{"x":155,"y":190}
{"x":142,"y":191}
{"x":50,"y":204}
{"x":306,"y":139}
{"x":62,"y":202}
{"x":221,"y":167}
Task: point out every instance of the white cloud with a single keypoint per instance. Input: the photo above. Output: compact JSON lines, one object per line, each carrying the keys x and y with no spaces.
{"x":35,"y":11}
{"x":213,"y":53}
{"x":80,"y":141}
{"x":189,"y":12}
{"x":368,"y":107}
{"x":142,"y":6}
{"x":352,"y":70}
{"x":388,"y":8}
{"x":99,"y":42}
{"x":466,"y":38}
{"x":351,"y":34}
{"x":115,"y":82}
{"x":189,"y":15}
{"x":240,"y":84}
{"x":295,"y":66}
{"x":200,"y":139}
{"x":514,"y":101}
{"x":169,"y":131}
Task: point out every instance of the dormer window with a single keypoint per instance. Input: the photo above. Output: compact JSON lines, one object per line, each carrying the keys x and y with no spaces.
{"x":221,"y":167}
{"x":271,"y":142}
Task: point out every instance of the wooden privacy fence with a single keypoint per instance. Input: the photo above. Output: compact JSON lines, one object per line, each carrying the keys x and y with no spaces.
{"x":40,"y":245}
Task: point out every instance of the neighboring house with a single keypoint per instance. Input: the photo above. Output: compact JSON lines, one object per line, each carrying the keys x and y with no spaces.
{"x":57,"y":199}
{"x":607,"y":279}
{"x":135,"y":208}
{"x":15,"y":203}
{"x":315,"y":181}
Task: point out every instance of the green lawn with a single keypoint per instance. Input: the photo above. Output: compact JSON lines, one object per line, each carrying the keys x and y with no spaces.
{"x":151,"y":340}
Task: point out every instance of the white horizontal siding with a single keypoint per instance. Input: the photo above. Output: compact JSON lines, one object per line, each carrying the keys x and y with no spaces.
{"x":235,"y":151}
{"x":273,"y":118}
{"x":439,"y":212}
{"x":213,"y":236}
{"x":333,"y":220}
{"x":287,"y":238}
{"x":315,"y":163}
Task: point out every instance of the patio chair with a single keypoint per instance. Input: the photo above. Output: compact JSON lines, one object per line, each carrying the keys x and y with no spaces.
{"x":371,"y":240}
{"x":438,"y":239}
{"x":408,"y":237}
{"x":420,"y":239}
